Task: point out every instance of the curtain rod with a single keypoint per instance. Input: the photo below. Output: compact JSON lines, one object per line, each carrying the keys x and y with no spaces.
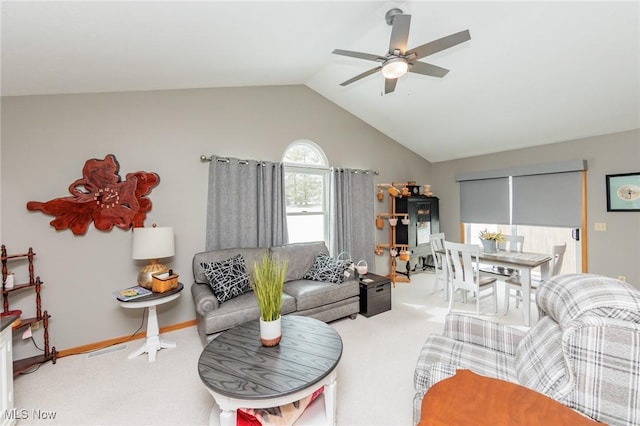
{"x":206,"y":159}
{"x":366,"y":172}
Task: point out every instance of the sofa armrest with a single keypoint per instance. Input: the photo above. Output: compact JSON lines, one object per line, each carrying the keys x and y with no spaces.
{"x":203,"y":298}
{"x":477,"y":331}
{"x":603,"y":353}
{"x":439,"y":371}
{"x":436,"y":372}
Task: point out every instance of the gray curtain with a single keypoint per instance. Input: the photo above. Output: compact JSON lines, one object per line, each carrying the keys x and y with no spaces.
{"x":352,"y":215}
{"x":246,"y":204}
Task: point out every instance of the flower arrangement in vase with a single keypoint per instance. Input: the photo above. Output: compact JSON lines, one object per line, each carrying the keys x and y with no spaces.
{"x":268,"y":285}
{"x":490,"y":240}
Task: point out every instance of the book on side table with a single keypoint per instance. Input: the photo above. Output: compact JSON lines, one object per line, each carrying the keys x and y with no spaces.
{"x":131,"y":293}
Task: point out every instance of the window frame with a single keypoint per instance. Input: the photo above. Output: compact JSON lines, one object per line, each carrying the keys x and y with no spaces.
{"x":323,"y":171}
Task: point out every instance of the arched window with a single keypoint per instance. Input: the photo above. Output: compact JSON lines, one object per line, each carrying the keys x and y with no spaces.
{"x":306,"y":174}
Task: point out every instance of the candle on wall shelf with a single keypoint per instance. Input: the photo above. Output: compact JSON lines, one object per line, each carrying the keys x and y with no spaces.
{"x":9,"y":281}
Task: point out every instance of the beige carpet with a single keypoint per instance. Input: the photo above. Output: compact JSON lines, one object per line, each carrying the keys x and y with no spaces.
{"x":374,"y":376}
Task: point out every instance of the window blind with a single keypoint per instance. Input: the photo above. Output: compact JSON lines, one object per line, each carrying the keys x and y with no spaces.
{"x":485,"y":201}
{"x":547,"y":194}
{"x":548,"y":200}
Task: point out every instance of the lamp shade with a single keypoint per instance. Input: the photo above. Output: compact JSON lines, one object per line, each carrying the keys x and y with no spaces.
{"x":153,"y":243}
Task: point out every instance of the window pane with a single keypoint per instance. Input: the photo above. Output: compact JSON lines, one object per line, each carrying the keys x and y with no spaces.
{"x":540,"y":239}
{"x":474,"y":229}
{"x":303,"y":154}
{"x":306,"y":184}
{"x":537,"y":239}
{"x":305,"y":228}
{"x":305,"y":192}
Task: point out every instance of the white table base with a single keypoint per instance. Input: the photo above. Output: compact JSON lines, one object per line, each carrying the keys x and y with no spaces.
{"x":228,"y":406}
{"x":154,"y":342}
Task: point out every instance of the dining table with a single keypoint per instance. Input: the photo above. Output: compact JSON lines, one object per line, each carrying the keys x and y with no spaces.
{"x":524,"y":262}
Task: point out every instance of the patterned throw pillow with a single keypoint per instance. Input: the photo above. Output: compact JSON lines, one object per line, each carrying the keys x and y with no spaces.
{"x":327,"y":269}
{"x":228,"y":279}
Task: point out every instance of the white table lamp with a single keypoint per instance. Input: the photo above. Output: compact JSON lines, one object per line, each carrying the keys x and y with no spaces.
{"x":152,"y":244}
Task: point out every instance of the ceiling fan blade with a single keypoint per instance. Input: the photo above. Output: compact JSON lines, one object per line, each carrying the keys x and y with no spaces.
{"x":360,"y":76}
{"x":359,"y":55}
{"x":428,"y":69}
{"x":390,"y":85}
{"x":440,"y":44}
{"x":400,"y":33}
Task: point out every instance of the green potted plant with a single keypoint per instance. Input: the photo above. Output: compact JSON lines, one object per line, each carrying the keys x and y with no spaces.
{"x":268,"y":285}
{"x":490,"y":240}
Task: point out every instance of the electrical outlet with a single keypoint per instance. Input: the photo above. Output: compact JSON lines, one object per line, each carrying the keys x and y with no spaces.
{"x":622,"y":278}
{"x":600,"y":226}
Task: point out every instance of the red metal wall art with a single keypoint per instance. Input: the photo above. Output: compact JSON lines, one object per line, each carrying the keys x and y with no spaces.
{"x":101,"y":197}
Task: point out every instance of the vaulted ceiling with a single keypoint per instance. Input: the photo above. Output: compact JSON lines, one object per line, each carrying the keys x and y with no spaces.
{"x":533,"y":72}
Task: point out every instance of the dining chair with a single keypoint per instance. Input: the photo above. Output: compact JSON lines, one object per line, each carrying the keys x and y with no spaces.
{"x":437,"y":251}
{"x":513,"y":283}
{"x":462,"y":261}
{"x":512,"y":243}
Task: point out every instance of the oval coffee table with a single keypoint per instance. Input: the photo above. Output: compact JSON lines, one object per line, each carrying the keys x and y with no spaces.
{"x":241,"y":373}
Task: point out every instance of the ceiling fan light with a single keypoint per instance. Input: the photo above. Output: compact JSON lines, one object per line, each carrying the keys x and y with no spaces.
{"x":395,"y":68}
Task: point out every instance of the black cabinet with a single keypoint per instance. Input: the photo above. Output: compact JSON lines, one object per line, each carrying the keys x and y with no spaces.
{"x":424,"y":220}
{"x":375,"y":295}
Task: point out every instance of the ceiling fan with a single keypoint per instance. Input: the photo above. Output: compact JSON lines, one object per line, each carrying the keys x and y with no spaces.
{"x":398,"y":61}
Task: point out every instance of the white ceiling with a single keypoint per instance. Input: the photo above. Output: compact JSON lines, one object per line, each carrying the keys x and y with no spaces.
{"x":532,"y":73}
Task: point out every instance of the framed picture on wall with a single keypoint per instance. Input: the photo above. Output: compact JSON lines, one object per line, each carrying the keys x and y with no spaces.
{"x":623,"y":192}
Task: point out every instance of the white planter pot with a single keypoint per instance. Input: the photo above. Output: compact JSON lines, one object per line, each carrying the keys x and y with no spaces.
{"x":270,"y":332}
{"x":490,"y":246}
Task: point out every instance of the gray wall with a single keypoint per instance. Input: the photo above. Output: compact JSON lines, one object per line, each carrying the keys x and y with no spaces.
{"x":612,"y":253}
{"x":47,"y":139}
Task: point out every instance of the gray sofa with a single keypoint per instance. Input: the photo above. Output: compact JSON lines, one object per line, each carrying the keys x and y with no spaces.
{"x":584,"y":352}
{"x":321,"y":300}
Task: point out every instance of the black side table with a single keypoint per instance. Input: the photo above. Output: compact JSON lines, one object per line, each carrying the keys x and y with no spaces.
{"x":375,"y":294}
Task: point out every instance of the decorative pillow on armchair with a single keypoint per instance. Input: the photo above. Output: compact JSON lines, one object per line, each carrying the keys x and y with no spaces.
{"x":228,"y":278}
{"x":327,"y":269}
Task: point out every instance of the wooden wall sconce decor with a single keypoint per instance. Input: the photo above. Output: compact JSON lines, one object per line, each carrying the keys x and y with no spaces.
{"x":103,"y":197}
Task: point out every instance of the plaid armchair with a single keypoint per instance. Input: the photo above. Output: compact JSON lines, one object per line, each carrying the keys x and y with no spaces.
{"x":584,"y":352}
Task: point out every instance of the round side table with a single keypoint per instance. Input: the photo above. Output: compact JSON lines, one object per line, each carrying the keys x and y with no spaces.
{"x":153,"y":342}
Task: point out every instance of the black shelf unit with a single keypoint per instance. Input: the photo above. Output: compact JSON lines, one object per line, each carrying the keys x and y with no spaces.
{"x":424,"y":220}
